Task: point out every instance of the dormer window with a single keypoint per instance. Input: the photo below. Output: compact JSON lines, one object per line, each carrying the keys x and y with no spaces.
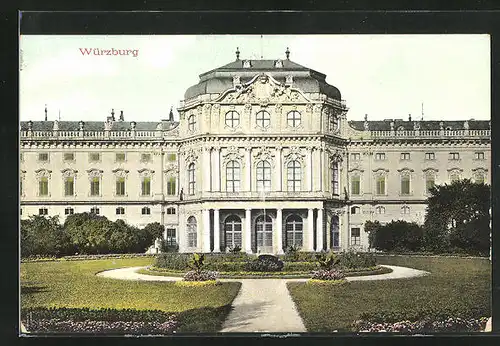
{"x":278,"y":64}
{"x":247,"y":63}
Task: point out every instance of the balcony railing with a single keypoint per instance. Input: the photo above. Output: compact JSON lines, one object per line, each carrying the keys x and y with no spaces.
{"x":103,"y":135}
{"x":430,"y":133}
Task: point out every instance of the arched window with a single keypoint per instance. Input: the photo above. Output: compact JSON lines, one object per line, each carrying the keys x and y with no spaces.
{"x":380,"y":210}
{"x":192,"y":232}
{"x":293,"y":118}
{"x":294,"y":175}
{"x":232,"y":230}
{"x":233,"y":176}
{"x":191,"y":123}
{"x":335,"y":178}
{"x":294,"y":231}
{"x":263,"y":176}
{"x":355,"y":210}
{"x":191,"y":179}
{"x":264,"y":228}
{"x":232,"y":119}
{"x":263,"y":119}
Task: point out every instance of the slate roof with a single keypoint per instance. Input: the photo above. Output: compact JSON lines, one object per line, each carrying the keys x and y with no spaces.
{"x":220,"y":79}
{"x":92,"y":125}
{"x":385,"y":125}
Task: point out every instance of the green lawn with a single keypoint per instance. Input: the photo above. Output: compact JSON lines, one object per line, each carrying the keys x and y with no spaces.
{"x":74,"y":284}
{"x":456,"y":286}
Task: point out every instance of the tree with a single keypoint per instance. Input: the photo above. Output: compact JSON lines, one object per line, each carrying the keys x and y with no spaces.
{"x":396,"y":235}
{"x":89,"y":233}
{"x":149,"y":234}
{"x":458,"y":217}
{"x":43,"y":236}
{"x":372,"y":227}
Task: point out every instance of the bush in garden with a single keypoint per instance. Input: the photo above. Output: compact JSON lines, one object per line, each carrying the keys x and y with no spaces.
{"x":291,"y":254}
{"x":44,"y":236}
{"x":354,"y":260}
{"x":197,"y":262}
{"x":174,"y":261}
{"x":264,"y":263}
{"x":327,"y":261}
{"x":234,"y":250}
{"x":330,"y":274}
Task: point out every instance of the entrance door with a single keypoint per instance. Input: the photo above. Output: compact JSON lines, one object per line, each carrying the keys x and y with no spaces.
{"x":264,"y":230}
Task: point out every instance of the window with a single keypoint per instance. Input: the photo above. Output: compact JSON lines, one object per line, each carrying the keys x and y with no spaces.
{"x":171,"y":238}
{"x":454,"y":156}
{"x":146,"y":186}
{"x":380,"y":185}
{"x":405,"y":156}
{"x":294,"y":231}
{"x":430,"y":156}
{"x":146,"y":211}
{"x":94,"y":157}
{"x":335,"y":178}
{"x":191,"y":123}
{"x":170,"y":211}
{"x":233,"y":176}
{"x":232,"y":119}
{"x":94,"y":210}
{"x":333,"y":122}
{"x":263,"y":119}
{"x":69,"y":184}
{"x":120,"y":157}
{"x":192,"y":232}
{"x":191,"y":179}
{"x":293,"y":119}
{"x":355,"y":185}
{"x":43,"y":186}
{"x":20,"y":211}
{"x":379,"y":156}
{"x":43,"y":157}
{"x":120,"y":186}
{"x":293,"y":176}
{"x":171,"y":186}
{"x":264,"y":230}
{"x":69,"y":211}
{"x":263,"y":176}
{"x":120,"y":211}
{"x":335,"y":238}
{"x":232,"y":231}
{"x":355,"y":210}
{"x":479,"y":156}
{"x":380,"y":210}
{"x":145,"y":157}
{"x":355,"y":236}
{"x":405,"y":185}
{"x":355,"y":156}
{"x":171,"y":157}
{"x":94,"y":186}
{"x":429,"y":182}
{"x":69,"y":156}
{"x":405,"y":210}
{"x":43,"y":211}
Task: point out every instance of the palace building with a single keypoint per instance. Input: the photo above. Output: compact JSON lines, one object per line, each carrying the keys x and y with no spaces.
{"x":263,"y":157}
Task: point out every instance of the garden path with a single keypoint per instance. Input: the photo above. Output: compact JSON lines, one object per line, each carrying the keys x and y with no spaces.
{"x":262,"y":305}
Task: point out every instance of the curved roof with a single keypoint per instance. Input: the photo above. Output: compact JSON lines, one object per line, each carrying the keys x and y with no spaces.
{"x":221,"y":79}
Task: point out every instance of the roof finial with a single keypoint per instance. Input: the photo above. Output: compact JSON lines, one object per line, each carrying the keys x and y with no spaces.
{"x":287,"y":53}
{"x":45,"y":112}
{"x":113,"y":114}
{"x":171,"y":114}
{"x":237,"y":53}
{"x":122,"y":118}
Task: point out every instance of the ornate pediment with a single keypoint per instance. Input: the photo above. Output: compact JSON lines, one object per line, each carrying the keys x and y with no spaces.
{"x":263,"y":88}
{"x":170,"y":169}
{"x":122,"y":173}
{"x":334,"y":155}
{"x":233,"y":154}
{"x":191,"y":156}
{"x":294,"y":154}
{"x":144,"y":172}
{"x":68,"y":172}
{"x":262,"y":154}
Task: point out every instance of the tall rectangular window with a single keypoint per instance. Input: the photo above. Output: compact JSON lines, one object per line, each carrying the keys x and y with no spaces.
{"x":94,"y":186}
{"x":191,"y":179}
{"x":405,"y":185}
{"x":171,"y":188}
{"x":146,"y":186}
{"x":43,"y":186}
{"x":380,"y":186}
{"x":355,"y":185}
{"x":430,"y":156}
{"x":120,"y":186}
{"x":171,"y":239}
{"x":355,"y":236}
{"x":335,"y":178}
{"x":69,"y":184}
{"x":429,"y":183}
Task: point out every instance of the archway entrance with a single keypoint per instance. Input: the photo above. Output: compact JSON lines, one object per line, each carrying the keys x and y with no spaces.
{"x":264,"y":232}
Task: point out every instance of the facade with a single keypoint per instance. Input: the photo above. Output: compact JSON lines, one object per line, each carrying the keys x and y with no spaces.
{"x":262,"y":157}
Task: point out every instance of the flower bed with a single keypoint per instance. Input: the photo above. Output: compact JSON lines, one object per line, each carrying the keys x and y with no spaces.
{"x":450,"y":324}
{"x":201,"y":275}
{"x":331,"y":274}
{"x":75,"y":320}
{"x":197,"y":283}
{"x":326,"y":282}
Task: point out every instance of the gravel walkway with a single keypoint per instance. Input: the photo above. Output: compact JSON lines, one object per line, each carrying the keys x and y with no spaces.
{"x":262,"y":305}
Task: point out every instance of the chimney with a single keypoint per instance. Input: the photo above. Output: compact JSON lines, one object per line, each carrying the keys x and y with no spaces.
{"x":113,"y":114}
{"x":409,"y":117}
{"x":171,"y":115}
{"x":45,"y":112}
{"x":237,"y":53}
{"x":121,"y":116}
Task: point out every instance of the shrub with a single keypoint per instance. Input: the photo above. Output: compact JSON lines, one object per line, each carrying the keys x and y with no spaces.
{"x":44,"y":236}
{"x":264,"y":263}
{"x":354,"y":260}
{"x":235,"y":249}
{"x":197,"y":262}
{"x":396,"y":235}
{"x":331,"y":274}
{"x":291,"y":254}
{"x":201,"y":275}
{"x":175,"y":261}
{"x":327,"y":261}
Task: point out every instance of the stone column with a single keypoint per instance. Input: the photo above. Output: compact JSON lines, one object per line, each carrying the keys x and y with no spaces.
{"x":279,"y":230}
{"x":311,"y":171}
{"x":319,"y":230}
{"x":248,"y":169}
{"x":310,"y":231}
{"x":279,"y":175}
{"x":217,"y":172}
{"x":248,"y":231}
{"x":216,"y":231}
{"x":181,"y":231}
{"x":206,"y":169}
{"x":323,"y":170}
{"x":205,"y":229}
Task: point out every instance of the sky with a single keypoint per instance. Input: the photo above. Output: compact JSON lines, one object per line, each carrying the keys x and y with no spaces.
{"x":384,"y":76}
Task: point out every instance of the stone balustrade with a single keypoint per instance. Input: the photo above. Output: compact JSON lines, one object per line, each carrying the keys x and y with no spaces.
{"x":430,"y":133}
{"x":103,"y":135}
